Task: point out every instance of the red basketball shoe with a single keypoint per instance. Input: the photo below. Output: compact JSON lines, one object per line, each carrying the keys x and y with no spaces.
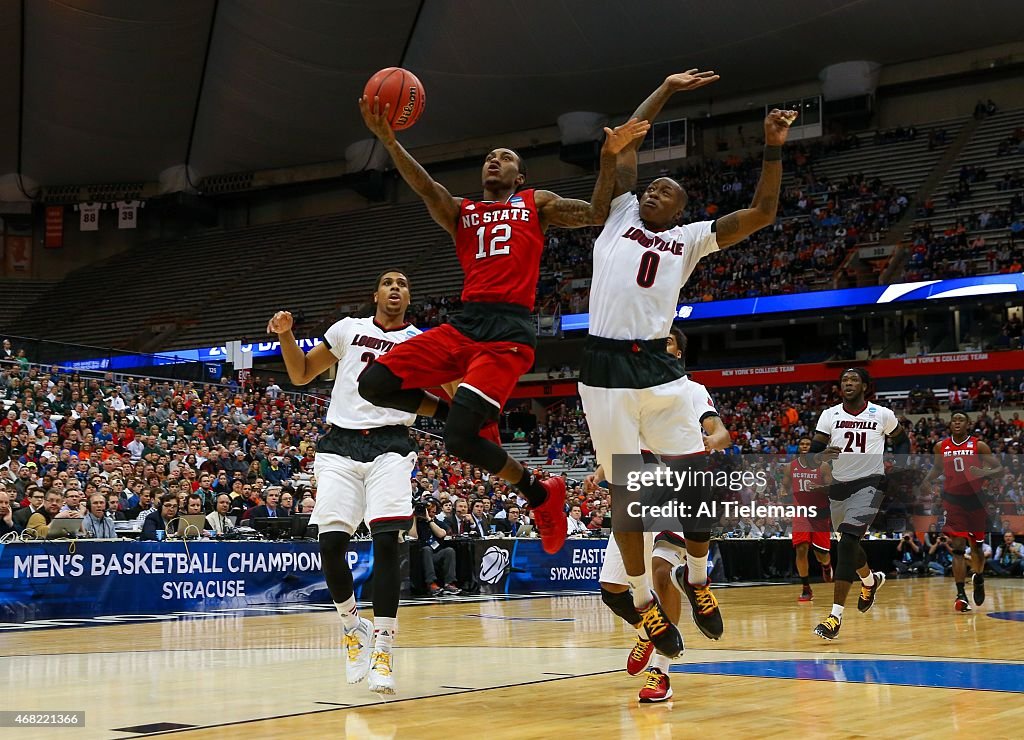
{"x":550,"y":516}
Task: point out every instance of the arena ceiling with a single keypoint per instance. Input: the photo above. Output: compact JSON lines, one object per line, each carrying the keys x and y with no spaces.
{"x":120,"y":90}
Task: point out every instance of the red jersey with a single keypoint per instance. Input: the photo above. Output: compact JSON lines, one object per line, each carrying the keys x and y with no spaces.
{"x":957,"y":459}
{"x":804,"y":479}
{"x":499,"y":247}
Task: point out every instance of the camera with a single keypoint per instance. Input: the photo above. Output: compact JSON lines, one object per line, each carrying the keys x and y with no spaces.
{"x":419,"y":509}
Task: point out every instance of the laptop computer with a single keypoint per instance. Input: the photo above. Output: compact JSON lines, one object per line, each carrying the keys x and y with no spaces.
{"x":192,"y":525}
{"x":62,"y":528}
{"x":302,"y":529}
{"x":525,"y":531}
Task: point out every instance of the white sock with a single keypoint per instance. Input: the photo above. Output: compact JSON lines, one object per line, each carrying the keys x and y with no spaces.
{"x":837,"y":610}
{"x":642,"y":593}
{"x":659,"y":661}
{"x":384,"y":633}
{"x":868,"y":580}
{"x":696,"y":569}
{"x":348,"y":612}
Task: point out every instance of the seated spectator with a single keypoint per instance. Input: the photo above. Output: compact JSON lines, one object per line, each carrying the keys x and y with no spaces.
{"x":36,"y":498}
{"x":511,"y":523}
{"x":7,"y":524}
{"x":96,"y":522}
{"x":435,"y":555}
{"x":1009,"y":558}
{"x":163,"y":520}
{"x":270,"y":506}
{"x":220,"y":520}
{"x":574,"y":523}
{"x":39,"y":522}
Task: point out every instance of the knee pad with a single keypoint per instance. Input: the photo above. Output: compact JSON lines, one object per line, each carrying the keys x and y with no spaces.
{"x":621,"y":605}
{"x":698,"y":536}
{"x":383,"y":388}
{"x":376,"y":383}
{"x":462,"y":439}
{"x":851,"y":557}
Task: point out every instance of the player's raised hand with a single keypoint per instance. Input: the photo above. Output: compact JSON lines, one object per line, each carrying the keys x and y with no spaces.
{"x":776,"y":126}
{"x":376,"y":118}
{"x":280,"y":322}
{"x":617,"y":139}
{"x":691,"y":79}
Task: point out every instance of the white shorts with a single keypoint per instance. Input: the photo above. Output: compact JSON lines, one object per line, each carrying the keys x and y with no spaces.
{"x":613,"y":570}
{"x":350,"y":492}
{"x":623,"y":421}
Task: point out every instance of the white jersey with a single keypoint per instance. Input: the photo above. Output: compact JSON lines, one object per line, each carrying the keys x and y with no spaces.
{"x":89,"y":215}
{"x":696,"y":405}
{"x":861,"y":437}
{"x":638,"y":273}
{"x":356,"y":342}
{"x":127,"y":210}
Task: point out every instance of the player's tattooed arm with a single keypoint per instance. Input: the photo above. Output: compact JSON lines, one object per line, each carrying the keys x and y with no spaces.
{"x":738,"y":225}
{"x":443,"y":208}
{"x":573,"y":213}
{"x":626,"y":169}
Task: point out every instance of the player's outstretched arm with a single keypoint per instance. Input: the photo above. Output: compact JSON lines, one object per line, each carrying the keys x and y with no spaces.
{"x":442,"y":206}
{"x":302,"y":368}
{"x":572,"y":213}
{"x":738,"y":225}
{"x":691,"y":79}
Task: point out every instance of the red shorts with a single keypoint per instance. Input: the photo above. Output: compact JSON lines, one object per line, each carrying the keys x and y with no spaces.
{"x":818,"y":540}
{"x":968,"y":523}
{"x":444,"y":354}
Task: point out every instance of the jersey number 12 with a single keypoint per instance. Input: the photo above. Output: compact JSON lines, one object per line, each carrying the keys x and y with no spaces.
{"x":500,"y":234}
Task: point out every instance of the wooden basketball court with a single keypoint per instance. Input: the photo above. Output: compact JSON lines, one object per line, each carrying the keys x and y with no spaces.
{"x":542,"y":667}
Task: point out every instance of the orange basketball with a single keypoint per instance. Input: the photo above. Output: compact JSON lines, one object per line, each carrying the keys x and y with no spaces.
{"x":400,"y":89}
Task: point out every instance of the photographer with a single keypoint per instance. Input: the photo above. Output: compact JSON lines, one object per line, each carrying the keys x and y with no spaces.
{"x":940,"y":556}
{"x":911,"y":556}
{"x":436,"y":558}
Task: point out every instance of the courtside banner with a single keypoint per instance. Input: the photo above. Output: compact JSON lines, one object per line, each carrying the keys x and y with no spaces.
{"x":53,"y":580}
{"x":518,"y":566}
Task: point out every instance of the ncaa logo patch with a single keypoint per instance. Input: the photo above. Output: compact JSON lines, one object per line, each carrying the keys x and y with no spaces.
{"x":493,"y":564}
{"x":517,"y":202}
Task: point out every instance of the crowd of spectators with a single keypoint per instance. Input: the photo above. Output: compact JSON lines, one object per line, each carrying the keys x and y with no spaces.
{"x":107,"y":449}
{"x":149,"y":446}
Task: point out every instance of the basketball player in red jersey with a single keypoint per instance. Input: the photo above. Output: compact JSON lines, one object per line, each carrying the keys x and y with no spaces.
{"x":809,"y":484}
{"x":488,"y":346}
{"x":964,"y":461}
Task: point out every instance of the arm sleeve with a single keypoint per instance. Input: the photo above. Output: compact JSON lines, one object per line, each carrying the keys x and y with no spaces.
{"x":336,"y":337}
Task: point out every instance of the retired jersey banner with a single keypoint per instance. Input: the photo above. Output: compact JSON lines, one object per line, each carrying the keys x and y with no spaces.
{"x":51,"y":580}
{"x":54,"y":227}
